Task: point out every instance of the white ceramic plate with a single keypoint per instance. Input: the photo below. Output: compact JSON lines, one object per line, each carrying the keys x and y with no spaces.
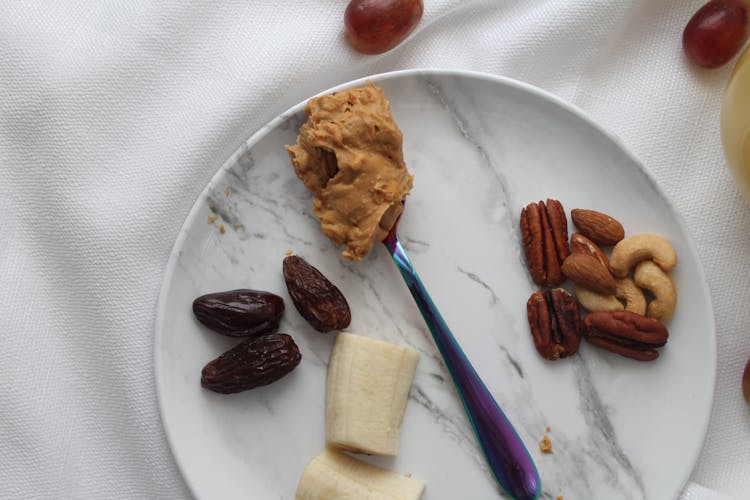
{"x":480,"y":148}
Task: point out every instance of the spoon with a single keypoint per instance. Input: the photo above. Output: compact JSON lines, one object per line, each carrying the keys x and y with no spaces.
{"x":506,"y":454}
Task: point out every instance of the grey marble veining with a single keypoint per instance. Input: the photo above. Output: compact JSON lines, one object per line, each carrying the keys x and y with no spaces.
{"x":602,"y":451}
{"x":479,"y":151}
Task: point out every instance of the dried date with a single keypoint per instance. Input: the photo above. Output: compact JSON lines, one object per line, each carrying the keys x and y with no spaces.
{"x":240,"y":313}
{"x":251,"y":364}
{"x":318,"y":300}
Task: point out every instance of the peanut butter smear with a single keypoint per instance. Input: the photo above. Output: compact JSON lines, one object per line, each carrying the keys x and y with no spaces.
{"x":349,"y":155}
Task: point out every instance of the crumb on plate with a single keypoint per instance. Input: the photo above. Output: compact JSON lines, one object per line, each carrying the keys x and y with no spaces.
{"x":545,"y":445}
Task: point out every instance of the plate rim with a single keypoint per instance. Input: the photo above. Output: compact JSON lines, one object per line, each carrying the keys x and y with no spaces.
{"x":261,"y":132}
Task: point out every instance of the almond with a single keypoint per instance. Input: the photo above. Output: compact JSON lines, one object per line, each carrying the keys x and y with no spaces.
{"x":585,"y":270}
{"x":580,"y":244}
{"x":597,"y":226}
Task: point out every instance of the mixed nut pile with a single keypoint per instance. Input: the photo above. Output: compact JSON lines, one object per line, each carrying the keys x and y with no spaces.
{"x":628,"y":295}
{"x":265,"y":356}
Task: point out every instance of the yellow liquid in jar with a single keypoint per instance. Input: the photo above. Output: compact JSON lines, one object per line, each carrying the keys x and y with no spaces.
{"x":735,"y":123}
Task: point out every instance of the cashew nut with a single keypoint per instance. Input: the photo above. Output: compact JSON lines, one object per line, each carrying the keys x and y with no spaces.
{"x":628,"y":292}
{"x":634,"y":249}
{"x":651,"y":277}
{"x":596,"y":302}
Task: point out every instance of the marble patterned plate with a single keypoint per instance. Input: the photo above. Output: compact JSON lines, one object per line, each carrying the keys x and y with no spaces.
{"x":480,"y":148}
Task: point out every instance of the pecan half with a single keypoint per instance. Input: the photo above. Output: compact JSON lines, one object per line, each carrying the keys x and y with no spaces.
{"x":555,"y":322}
{"x":625,"y":333}
{"x":544,"y":230}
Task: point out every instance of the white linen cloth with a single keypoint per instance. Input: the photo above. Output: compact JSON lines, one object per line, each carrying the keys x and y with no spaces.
{"x":115,"y":114}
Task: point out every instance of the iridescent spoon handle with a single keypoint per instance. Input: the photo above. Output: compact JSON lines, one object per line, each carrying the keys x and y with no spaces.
{"x":506,"y":454}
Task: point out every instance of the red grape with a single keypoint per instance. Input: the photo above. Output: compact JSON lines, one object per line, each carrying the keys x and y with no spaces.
{"x":746,"y":382}
{"x":376,"y":26}
{"x":716,"y":32}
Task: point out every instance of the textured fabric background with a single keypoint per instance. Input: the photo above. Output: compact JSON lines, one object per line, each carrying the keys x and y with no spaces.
{"x":114,"y":114}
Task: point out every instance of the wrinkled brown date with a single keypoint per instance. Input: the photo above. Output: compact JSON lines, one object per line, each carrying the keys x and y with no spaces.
{"x":240,"y":313}
{"x":555,"y":322}
{"x":251,"y":364}
{"x":317,"y":299}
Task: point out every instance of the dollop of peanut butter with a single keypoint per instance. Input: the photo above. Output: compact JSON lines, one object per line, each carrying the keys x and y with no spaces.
{"x":349,"y":155}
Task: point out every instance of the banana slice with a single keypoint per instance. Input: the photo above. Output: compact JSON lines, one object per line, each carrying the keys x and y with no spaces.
{"x":368,"y":386}
{"x":333,"y":475}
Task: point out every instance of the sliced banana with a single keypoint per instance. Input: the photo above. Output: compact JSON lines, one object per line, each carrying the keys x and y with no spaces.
{"x":333,"y":475}
{"x":367,"y":389}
